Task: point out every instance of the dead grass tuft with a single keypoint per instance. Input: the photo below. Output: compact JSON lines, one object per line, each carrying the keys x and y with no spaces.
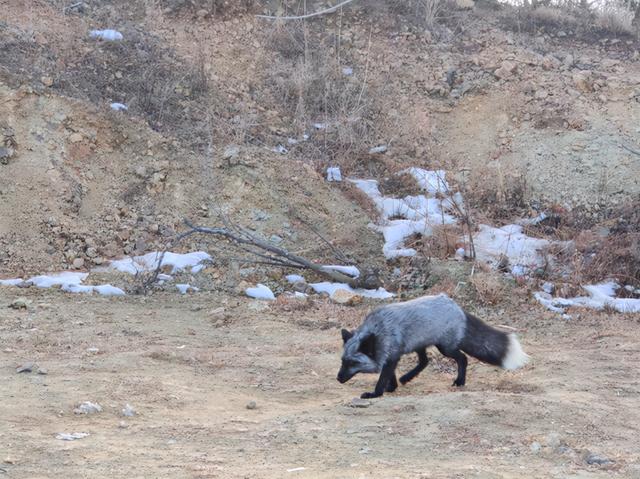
{"x":490,"y":288}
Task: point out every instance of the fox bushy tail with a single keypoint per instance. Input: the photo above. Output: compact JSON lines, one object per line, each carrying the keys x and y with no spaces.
{"x":492,"y":346}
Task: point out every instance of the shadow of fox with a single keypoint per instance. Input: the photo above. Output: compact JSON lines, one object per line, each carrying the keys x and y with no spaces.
{"x":393,"y":330}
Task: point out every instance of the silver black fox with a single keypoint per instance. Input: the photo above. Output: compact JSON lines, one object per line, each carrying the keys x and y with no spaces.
{"x":393,"y":330}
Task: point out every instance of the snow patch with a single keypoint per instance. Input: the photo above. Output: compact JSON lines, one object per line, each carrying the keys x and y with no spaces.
{"x":185,"y":288}
{"x":260,"y":292}
{"x":149,"y":262}
{"x":330,"y":288}
{"x":403,"y":217}
{"x":11,"y":282}
{"x":334,"y":174}
{"x":106,"y":35}
{"x":119,"y":106}
{"x":348,"y":270}
{"x":523,"y":252}
{"x":600,"y":296}
{"x":294,"y":278}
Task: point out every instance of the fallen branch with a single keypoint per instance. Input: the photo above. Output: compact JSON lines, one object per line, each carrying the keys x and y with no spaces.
{"x":309,"y":15}
{"x":277,"y":256}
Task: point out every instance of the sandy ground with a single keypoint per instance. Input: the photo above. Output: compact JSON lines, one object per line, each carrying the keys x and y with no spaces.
{"x":190,"y":369}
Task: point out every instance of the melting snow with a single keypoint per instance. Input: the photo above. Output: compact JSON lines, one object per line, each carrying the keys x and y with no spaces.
{"x":294,"y":278}
{"x":119,"y":107}
{"x":348,"y":270}
{"x":260,"y":292}
{"x":403,"y":217}
{"x":107,"y":35}
{"x":330,"y":288}
{"x":524,"y":253}
{"x":600,"y":296}
{"x":149,"y":262}
{"x":334,"y":174}
{"x":68,"y":281}
{"x":184,"y":288}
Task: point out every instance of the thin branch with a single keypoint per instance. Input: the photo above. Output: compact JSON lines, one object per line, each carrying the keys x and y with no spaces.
{"x":309,"y":15}
{"x":630,"y":150}
{"x":242,"y":238}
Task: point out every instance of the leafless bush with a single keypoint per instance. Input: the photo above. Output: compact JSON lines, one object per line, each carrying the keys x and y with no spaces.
{"x":615,"y":17}
{"x":211,"y":7}
{"x":586,"y":20}
{"x":490,"y":288}
{"x":141,"y":73}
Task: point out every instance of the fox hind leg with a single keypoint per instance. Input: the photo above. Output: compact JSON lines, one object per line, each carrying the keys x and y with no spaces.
{"x":423,"y":360}
{"x":461,"y":361}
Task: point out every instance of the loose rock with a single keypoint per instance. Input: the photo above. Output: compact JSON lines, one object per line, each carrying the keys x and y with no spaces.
{"x":360,"y":403}
{"x":88,"y":407}
{"x":348,"y":298}
{"x":25,"y":368}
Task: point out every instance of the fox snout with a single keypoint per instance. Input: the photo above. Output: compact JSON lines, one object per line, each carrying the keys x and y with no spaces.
{"x":343,"y":377}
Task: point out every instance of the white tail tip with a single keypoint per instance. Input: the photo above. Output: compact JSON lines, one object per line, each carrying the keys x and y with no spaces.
{"x":515,"y":357}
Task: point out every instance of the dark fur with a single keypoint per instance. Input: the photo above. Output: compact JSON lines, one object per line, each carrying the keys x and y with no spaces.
{"x":480,"y":341}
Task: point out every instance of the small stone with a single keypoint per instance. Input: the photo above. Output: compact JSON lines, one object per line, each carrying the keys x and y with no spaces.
{"x":252,"y":405}
{"x":582,"y":82}
{"x":78,"y":263}
{"x":343,"y":296}
{"x":506,"y":70}
{"x":25,"y":368}
{"x":128,"y":411}
{"x":535,"y":447}
{"x":595,"y":459}
{"x":75,"y":138}
{"x":360,"y":403}
{"x":93,"y":350}
{"x":275,"y":239}
{"x":47,"y":81}
{"x":123,"y":425}
{"x":88,"y":407}
{"x":43,"y":371}
{"x":20,"y":303}
{"x":230,"y":152}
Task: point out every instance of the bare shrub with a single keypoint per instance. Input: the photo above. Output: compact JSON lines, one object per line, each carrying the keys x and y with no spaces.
{"x":615,"y":17}
{"x":168,"y":92}
{"x":223,"y":8}
{"x":490,"y":288}
{"x":444,"y":241}
{"x":399,"y":185}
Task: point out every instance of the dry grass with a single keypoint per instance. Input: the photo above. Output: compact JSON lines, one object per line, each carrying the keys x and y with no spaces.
{"x":612,"y":18}
{"x":490,"y":288}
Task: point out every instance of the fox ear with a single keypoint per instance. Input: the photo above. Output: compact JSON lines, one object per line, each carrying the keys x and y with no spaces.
{"x":346,"y":335}
{"x":368,"y":346}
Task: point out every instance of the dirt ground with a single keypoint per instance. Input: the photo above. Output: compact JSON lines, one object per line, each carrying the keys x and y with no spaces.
{"x":190,"y":366}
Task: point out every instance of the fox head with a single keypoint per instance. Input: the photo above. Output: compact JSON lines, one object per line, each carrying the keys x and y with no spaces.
{"x":358,"y":356}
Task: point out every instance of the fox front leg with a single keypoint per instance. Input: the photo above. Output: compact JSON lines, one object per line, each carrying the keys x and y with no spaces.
{"x":388,"y":372}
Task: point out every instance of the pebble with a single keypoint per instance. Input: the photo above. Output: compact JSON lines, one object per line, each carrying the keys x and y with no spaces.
{"x":93,"y":350}
{"x":535,"y":447}
{"x":596,"y":459}
{"x":20,"y":303}
{"x":128,"y":411}
{"x":88,"y":407}
{"x":252,"y":405}
{"x":360,"y":403}
{"x":43,"y":371}
{"x":25,"y":368}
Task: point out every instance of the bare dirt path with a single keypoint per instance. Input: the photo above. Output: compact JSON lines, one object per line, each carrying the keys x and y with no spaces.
{"x":190,"y":372}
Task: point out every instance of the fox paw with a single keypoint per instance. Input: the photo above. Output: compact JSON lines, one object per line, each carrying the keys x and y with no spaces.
{"x":405,"y":379}
{"x":458,"y":383}
{"x":369,"y":395}
{"x":392,"y":387}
